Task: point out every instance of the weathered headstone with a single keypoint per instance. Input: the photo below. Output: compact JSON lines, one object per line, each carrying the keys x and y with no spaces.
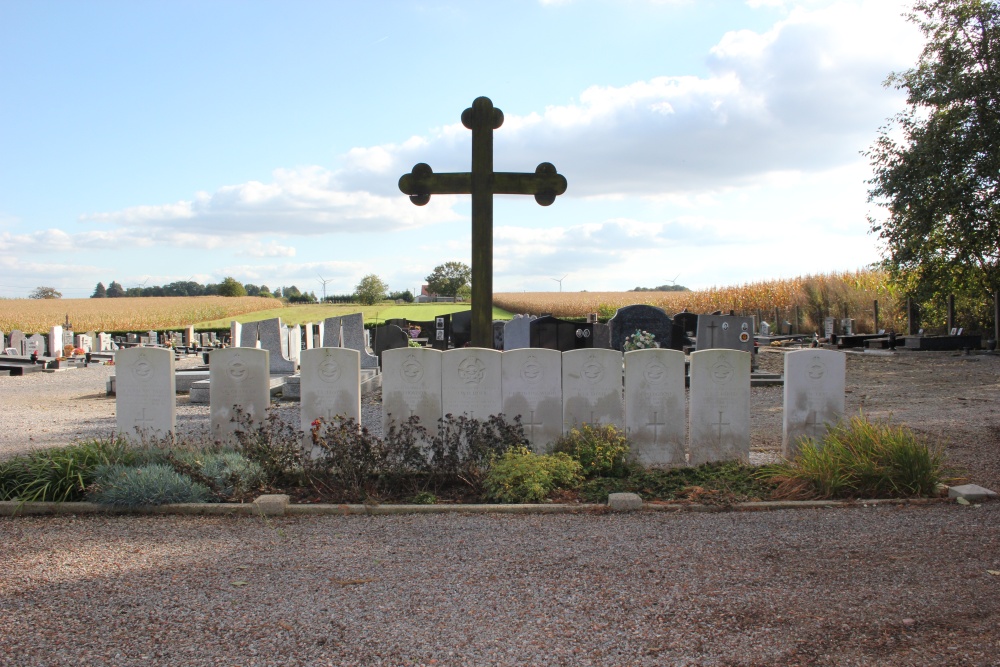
{"x":411,"y":387}
{"x":249,"y":335}
{"x":295,"y":343}
{"x":85,"y":343}
{"x":650,"y":319}
{"x":814,"y":390}
{"x":498,"y":334}
{"x":517,"y":332}
{"x":189,"y":337}
{"x":592,"y":388}
{"x":145,"y":405}
{"x":103,"y":342}
{"x":239,"y":381}
{"x":308,"y":333}
{"x":235,"y":333}
{"x":555,"y":334}
{"x":271,"y":339}
{"x":55,"y":343}
{"x":154,"y":338}
{"x":35,"y":343}
{"x":719,"y":422}
{"x":654,"y":406}
{"x":728,"y":332}
{"x":18,"y":341}
{"x":471,"y":383}
{"x":532,"y":388}
{"x":330,"y":386}
{"x":353,"y":328}
{"x":388,"y":337}
{"x":602,"y":336}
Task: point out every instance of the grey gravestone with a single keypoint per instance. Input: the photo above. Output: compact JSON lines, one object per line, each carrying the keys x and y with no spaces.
{"x":813,"y":395}
{"x":271,"y":339}
{"x":470,"y":382}
{"x":532,"y":388}
{"x":248,"y":335}
{"x":103,"y":342}
{"x":388,"y":337}
{"x":239,"y":379}
{"x":189,"y":337}
{"x":651,"y":319}
{"x":411,"y":387}
{"x":592,"y":388}
{"x":555,"y":334}
{"x":145,"y":405}
{"x":719,"y":416}
{"x":602,"y":336}
{"x":517,"y":332}
{"x":728,"y":332}
{"x":35,"y":343}
{"x":3,"y":341}
{"x":353,"y":327}
{"x":654,"y":406}
{"x":18,"y":341}
{"x":498,"y":334}
{"x":153,"y":337}
{"x":330,"y":387}
{"x":85,"y":343}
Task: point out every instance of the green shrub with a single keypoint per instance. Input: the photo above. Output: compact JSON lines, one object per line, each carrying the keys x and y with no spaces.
{"x":155,"y":484}
{"x":521,"y":476}
{"x":601,"y":450}
{"x":274,"y":445}
{"x":719,"y":483}
{"x":234,"y":475}
{"x":861,"y":459}
{"x":61,"y":474}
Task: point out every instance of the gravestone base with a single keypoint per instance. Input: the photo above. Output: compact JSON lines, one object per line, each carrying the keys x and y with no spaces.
{"x":292,"y":389}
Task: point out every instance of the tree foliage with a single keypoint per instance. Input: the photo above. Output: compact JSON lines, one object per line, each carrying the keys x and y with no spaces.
{"x":100,"y":292}
{"x":937,"y":163}
{"x":43,"y":292}
{"x":115,"y":290}
{"x":447,"y":278}
{"x":370,"y":290}
{"x":231,"y":287}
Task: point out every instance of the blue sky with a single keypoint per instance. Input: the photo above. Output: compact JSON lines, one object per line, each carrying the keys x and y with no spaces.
{"x":710,"y":142}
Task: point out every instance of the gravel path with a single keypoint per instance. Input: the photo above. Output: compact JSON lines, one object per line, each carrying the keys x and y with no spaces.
{"x":857,"y":586}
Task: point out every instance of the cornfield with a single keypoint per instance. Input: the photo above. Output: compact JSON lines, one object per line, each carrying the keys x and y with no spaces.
{"x":124,"y":314}
{"x":848,"y":294}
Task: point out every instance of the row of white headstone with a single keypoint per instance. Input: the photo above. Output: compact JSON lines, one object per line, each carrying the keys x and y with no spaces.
{"x":551,"y":391}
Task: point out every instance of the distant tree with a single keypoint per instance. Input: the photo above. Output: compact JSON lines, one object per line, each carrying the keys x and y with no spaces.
{"x":231,"y":287}
{"x":115,"y":290}
{"x":662,"y":288}
{"x":289,"y":292}
{"x":936,"y":165}
{"x":446,"y":278}
{"x":464,"y":292}
{"x":406,"y":296}
{"x":45,"y":293}
{"x":370,"y":290}
{"x":99,"y":292}
{"x":183,"y":288}
{"x":133,"y":291}
{"x":265,"y":291}
{"x":252,"y":290}
{"x":277,"y":293}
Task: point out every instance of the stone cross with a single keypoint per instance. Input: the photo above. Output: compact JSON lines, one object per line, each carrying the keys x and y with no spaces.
{"x":482,"y":183}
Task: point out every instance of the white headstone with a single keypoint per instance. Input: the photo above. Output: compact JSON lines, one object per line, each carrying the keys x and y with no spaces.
{"x":471,"y":383}
{"x":145,"y":404}
{"x":308,"y":332}
{"x":235,"y":333}
{"x":295,"y":343}
{"x":411,"y":386}
{"x":532,"y":388}
{"x":330,"y":386}
{"x":592,"y":388}
{"x":85,"y":342}
{"x":103,"y":342}
{"x":189,"y":338}
{"x":719,"y":423}
{"x":239,"y":379}
{"x":55,"y":347}
{"x":654,"y":406}
{"x":35,"y":343}
{"x":815,"y":381}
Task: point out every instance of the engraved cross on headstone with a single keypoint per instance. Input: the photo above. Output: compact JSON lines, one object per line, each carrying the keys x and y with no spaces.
{"x":656,"y":424}
{"x":531,"y":426}
{"x":711,"y":330}
{"x":482,"y":183}
{"x":720,"y":424}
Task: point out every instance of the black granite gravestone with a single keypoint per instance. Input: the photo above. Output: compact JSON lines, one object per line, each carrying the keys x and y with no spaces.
{"x":498,"y":326}
{"x":688,"y":322}
{"x":461,"y":328}
{"x":555,"y":334}
{"x":388,"y":337}
{"x":651,"y":319}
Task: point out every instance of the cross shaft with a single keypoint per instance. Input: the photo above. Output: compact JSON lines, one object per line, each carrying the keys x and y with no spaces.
{"x":482,"y":183}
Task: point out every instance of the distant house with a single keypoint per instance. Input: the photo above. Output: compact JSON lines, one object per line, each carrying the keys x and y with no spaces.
{"x":426,"y":296}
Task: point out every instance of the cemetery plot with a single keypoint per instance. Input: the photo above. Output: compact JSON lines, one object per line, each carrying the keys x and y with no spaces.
{"x":532,"y":388}
{"x":470,"y":383}
{"x":330,"y":387}
{"x":240,"y":382}
{"x":144,"y":400}
{"x":411,"y":387}
{"x":655,"y":406}
{"x":813,"y":395}
{"x":719,"y":414}
{"x":592,"y":388}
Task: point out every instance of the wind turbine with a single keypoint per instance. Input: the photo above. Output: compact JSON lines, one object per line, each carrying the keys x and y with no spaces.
{"x":559,"y":280}
{"x":324,"y":281}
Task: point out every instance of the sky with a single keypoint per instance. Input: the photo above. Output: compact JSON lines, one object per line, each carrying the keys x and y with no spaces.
{"x":705,"y":142}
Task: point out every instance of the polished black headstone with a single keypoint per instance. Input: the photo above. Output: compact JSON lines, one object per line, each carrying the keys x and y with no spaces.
{"x":388,"y":337}
{"x":651,"y":319}
{"x":555,"y":334}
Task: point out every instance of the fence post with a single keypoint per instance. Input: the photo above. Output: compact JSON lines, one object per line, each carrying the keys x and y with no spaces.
{"x":875,"y":309}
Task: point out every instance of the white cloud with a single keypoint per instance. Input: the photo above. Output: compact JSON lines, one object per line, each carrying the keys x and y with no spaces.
{"x":270,"y":249}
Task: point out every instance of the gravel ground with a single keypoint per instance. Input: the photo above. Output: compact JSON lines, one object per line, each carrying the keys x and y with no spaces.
{"x":857,"y":586}
{"x":912,"y":585}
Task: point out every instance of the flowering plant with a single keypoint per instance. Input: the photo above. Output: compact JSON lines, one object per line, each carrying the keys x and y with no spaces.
{"x":640,"y":340}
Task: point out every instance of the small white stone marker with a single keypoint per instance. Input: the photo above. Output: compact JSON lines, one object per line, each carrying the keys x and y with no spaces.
{"x":624,"y":502}
{"x":971,"y":492}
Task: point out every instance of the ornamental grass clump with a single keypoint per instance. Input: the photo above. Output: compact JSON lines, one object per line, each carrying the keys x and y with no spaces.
{"x":60,"y":474}
{"x":521,"y":476}
{"x":155,"y":484}
{"x":861,"y":459}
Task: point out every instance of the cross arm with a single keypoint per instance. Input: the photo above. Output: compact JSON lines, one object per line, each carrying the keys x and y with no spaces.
{"x":545,"y":184}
